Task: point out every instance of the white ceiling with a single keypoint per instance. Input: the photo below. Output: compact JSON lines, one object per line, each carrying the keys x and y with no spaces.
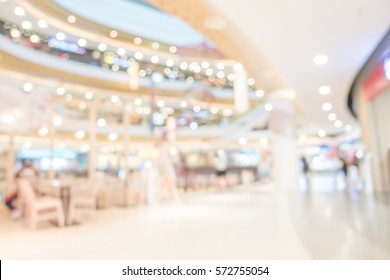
{"x":291,"y":33}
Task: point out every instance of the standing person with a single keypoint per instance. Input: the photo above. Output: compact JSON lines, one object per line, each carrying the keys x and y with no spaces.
{"x":220,"y":165}
{"x":306,"y":170}
{"x":28,"y":172}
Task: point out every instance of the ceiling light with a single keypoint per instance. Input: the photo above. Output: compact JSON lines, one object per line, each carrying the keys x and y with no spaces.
{"x":205,"y":64}
{"x":157,"y":77}
{"x":220,"y":74}
{"x":28,"y":87}
{"x":170,"y":62}
{"x":154,"y":59}
{"x":82,"y":105}
{"x":26,"y":24}
{"x":138,"y":55}
{"x":112,"y":136}
{"x":19,"y":11}
{"x":231,"y":77}
{"x":42,"y":23}
{"x":332,"y":117}
{"x":79,"y":134}
{"x":101,"y":122}
{"x":43,"y":131}
{"x":82,"y":42}
{"x":60,"y":36}
{"x":138,"y":101}
{"x":115,"y":68}
{"x":321,"y":133}
{"x":209,"y":72}
{"x":35,"y":38}
{"x":160,"y":103}
{"x":320,"y":59}
{"x":251,"y":82}
{"x":102,"y":47}
{"x":348,"y":128}
{"x":324,"y":90}
{"x":196,"y":108}
{"x":121,"y":51}
{"x":264,"y":141}
{"x":238,"y":67}
{"x":60,"y":91}
{"x":221,"y":66}
{"x":88,"y":95}
{"x":113,"y":34}
{"x":155,"y":45}
{"x":172,"y":49}
{"x":183,"y":104}
{"x":268,"y":107}
{"x":184,"y":66}
{"x":327,"y":107}
{"x":71,"y":19}
{"x":114,"y":99}
{"x":194,"y":125}
{"x":15,"y":33}
{"x":57,"y":121}
{"x":242,"y":141}
{"x":260,"y":93}
{"x":190,"y":80}
{"x":214,"y":110}
{"x":338,"y":124}
{"x":142,"y":73}
{"x":137,"y":41}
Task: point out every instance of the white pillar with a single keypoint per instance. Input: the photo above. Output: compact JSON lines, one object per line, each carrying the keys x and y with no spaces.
{"x":284,"y":148}
{"x":92,"y":141}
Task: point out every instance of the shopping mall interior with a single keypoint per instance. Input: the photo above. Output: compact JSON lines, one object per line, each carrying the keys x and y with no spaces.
{"x":199,"y":129}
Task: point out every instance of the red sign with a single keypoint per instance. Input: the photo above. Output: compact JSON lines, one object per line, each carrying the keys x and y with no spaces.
{"x":377,"y":81}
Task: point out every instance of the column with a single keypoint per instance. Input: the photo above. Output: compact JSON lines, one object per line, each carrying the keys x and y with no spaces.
{"x":10,"y":162}
{"x":284,"y":148}
{"x":92,"y":141}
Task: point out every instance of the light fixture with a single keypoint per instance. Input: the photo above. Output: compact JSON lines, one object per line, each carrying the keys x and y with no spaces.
{"x":157,"y":77}
{"x":19,"y":11}
{"x":43,"y":131}
{"x":259,"y":93}
{"x":113,"y":33}
{"x":242,"y":141}
{"x":160,"y":103}
{"x":115,"y":68}
{"x":183,"y":104}
{"x":15,"y":33}
{"x":320,"y":59}
{"x":227,"y":112}
{"x":209,"y":72}
{"x":137,"y":40}
{"x":112,"y":136}
{"x":231,"y":77}
{"x":324,"y":90}
{"x":57,"y":121}
{"x":184,"y":66}
{"x":268,"y":107}
{"x":60,"y":36}
{"x":205,"y":64}
{"x":114,"y":99}
{"x":28,"y":87}
{"x":251,"y":82}
{"x":82,"y":42}
{"x":155,"y":45}
{"x":332,"y":117}
{"x":190,"y":80}
{"x":88,"y":95}
{"x":82,"y":105}
{"x":264,"y":141}
{"x":221,"y":66}
{"x":338,"y":124}
{"x":142,"y":73}
{"x":121,"y":51}
{"x":60,"y":91}
{"x":214,"y":110}
{"x":102,"y":47}
{"x":71,"y":19}
{"x":138,"y":101}
{"x":42,"y":23}
{"x":35,"y":38}
{"x":84,"y":148}
{"x":194,"y":125}
{"x":154,"y":59}
{"x":26,"y":24}
{"x":101,"y":122}
{"x":238,"y":67}
{"x":196,"y":108}
{"x":327,"y":107}
{"x":348,"y":128}
{"x":138,"y":55}
{"x":172,"y":49}
{"x":170,"y":62}
{"x":220,"y":74}
{"x":321,"y":133}
{"x":79,"y":134}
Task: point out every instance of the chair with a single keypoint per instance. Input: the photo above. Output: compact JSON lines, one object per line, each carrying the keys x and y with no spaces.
{"x":86,"y":201}
{"x":39,"y":209}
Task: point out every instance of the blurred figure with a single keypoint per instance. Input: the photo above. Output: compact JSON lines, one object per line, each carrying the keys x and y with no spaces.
{"x":306,"y":171}
{"x":28,"y":172}
{"x":220,"y":166}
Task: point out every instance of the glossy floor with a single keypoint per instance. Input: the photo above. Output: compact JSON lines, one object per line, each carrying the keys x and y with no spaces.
{"x":251,"y":222}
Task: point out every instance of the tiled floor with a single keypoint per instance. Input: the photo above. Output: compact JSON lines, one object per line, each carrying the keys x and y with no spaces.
{"x":252,"y":222}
